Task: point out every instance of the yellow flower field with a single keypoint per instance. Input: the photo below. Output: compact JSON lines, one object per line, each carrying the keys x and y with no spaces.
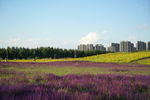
{"x":120,"y":57}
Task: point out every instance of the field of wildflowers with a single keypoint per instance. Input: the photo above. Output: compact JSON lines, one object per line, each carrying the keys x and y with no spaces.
{"x":120,"y":57}
{"x":76,"y":80}
{"x":113,"y":76}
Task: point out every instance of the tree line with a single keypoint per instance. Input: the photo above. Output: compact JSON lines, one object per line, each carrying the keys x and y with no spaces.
{"x":44,"y":52}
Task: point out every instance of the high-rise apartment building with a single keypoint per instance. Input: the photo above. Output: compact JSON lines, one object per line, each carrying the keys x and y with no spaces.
{"x":132,"y":47}
{"x":83,"y":47}
{"x":114,"y":47}
{"x":126,"y":46}
{"x":148,"y":46}
{"x":100,"y":47}
{"x":111,"y":48}
{"x":89,"y":47}
{"x":117,"y":46}
{"x":140,"y":45}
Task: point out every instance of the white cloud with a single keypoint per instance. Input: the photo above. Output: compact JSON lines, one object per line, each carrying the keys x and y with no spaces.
{"x":37,"y":42}
{"x":105,"y":31}
{"x":29,"y":43}
{"x":89,"y":38}
{"x":144,"y":26}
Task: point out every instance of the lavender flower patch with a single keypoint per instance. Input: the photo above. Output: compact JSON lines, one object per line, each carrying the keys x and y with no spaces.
{"x":69,"y":63}
{"x":78,"y":87}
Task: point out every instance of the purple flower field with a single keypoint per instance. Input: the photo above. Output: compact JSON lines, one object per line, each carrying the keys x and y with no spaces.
{"x":71,"y":63}
{"x":72,"y":87}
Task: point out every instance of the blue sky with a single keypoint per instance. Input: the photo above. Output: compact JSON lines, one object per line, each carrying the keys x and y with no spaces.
{"x":67,"y":23}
